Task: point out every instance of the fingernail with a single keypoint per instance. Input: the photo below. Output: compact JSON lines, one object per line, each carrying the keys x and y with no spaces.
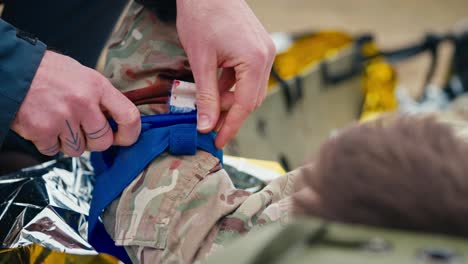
{"x":203,"y":122}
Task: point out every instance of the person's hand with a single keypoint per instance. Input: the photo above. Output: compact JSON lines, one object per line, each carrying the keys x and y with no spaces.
{"x":225,"y":34}
{"x":63,"y":109}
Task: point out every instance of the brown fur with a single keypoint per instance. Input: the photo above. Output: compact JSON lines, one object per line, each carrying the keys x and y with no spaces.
{"x":408,"y":173}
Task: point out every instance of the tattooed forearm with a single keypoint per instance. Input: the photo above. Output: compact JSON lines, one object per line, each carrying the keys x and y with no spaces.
{"x":75,"y":142}
{"x":99,"y":133}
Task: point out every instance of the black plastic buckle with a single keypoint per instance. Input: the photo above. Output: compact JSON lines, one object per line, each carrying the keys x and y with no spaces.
{"x":291,"y":94}
{"x":357,"y":63}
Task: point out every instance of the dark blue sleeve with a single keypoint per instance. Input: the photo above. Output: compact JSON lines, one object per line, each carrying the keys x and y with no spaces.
{"x":20,"y":55}
{"x":76,"y":28}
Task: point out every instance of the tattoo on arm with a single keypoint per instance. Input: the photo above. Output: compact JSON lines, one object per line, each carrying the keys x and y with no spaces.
{"x":75,"y":142}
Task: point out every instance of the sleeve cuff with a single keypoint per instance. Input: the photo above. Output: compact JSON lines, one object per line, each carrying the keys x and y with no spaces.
{"x":20,"y":56}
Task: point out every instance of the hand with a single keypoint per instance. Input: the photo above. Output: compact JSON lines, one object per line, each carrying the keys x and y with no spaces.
{"x":63,"y":110}
{"x":225,"y":34}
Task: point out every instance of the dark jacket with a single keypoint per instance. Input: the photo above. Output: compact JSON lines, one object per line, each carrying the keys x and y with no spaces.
{"x":20,"y":56}
{"x":77,"y":28}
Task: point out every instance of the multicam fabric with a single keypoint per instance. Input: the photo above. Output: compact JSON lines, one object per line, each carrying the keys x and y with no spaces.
{"x":145,"y":52}
{"x":181,"y":209}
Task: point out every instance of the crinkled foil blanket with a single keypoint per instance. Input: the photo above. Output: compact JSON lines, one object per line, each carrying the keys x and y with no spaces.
{"x":44,"y":209}
{"x":43,"y":214}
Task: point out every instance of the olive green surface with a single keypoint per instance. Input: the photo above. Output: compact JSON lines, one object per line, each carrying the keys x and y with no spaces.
{"x":314,"y":241}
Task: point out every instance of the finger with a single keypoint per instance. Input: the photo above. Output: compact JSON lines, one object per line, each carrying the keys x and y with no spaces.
{"x":205,"y":73}
{"x":227,"y":79}
{"x":262,"y":96}
{"x":44,"y":137}
{"x":227,"y":100}
{"x":264,"y":86}
{"x":97,"y":131}
{"x":48,"y":147}
{"x":265,"y":77}
{"x":124,"y":113}
{"x":245,"y":96}
{"x":221,"y":120}
{"x":234,"y":118}
{"x":263,"y":89}
{"x":248,"y":86}
{"x":72,"y":140}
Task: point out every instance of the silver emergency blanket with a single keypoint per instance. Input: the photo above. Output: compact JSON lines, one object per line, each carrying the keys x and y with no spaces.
{"x":47,"y":205}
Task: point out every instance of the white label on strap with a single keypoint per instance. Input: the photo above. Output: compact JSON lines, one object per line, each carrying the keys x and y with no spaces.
{"x":183,"y":97}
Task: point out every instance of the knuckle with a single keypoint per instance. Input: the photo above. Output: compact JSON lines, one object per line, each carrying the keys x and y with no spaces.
{"x":43,"y":129}
{"x":271,"y":48}
{"x":250,"y":107}
{"x":80,"y":100}
{"x":48,"y":141}
{"x":98,"y":83}
{"x":127,"y":141}
{"x":205,"y":97}
{"x":106,"y":145}
{"x":50,"y":153}
{"x":101,"y":144}
{"x":97,"y":80}
{"x":132,"y":116}
{"x":62,"y":112}
{"x":261,"y":55}
{"x":47,"y":146}
{"x":24,"y":132}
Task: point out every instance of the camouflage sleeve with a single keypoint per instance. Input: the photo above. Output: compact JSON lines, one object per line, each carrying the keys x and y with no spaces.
{"x":181,"y":209}
{"x":144,"y":52}
{"x":168,"y":211}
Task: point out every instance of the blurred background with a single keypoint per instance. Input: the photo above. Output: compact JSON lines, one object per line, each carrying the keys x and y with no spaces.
{"x":406,"y":83}
{"x":393,"y":23}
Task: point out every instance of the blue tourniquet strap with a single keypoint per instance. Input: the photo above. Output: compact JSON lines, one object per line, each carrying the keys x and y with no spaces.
{"x":118,"y":167}
{"x":183,"y":139}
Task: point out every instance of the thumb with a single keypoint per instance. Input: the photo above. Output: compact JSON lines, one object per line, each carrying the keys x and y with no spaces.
{"x":124,"y":113}
{"x":208,"y":102}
